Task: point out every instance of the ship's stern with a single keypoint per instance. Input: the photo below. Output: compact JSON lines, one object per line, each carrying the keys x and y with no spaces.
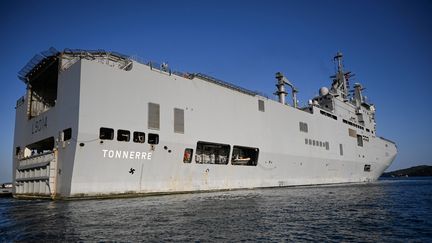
{"x":45,"y":127}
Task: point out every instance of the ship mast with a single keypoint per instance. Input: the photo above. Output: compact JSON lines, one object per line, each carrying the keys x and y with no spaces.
{"x":340,"y":84}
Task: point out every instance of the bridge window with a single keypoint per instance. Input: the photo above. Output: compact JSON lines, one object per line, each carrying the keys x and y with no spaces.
{"x":139,"y":137}
{"x":123,"y":135}
{"x":328,"y":114}
{"x":244,"y":156}
{"x":212,"y":153}
{"x":106,"y":133}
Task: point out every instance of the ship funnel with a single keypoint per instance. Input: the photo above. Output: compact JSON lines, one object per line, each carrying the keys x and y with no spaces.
{"x":281,"y":93}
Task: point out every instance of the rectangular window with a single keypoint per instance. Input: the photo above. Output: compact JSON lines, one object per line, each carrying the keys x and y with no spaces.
{"x":67,"y":134}
{"x":328,"y":114}
{"x":153,"y":116}
{"x":244,"y":156}
{"x":359,"y":140}
{"x":153,"y":138}
{"x":306,"y":141}
{"x":139,"y":137}
{"x":106,"y":133}
{"x":303,"y":127}
{"x":261,"y":105}
{"x":320,"y":143}
{"x":123,"y":135}
{"x":187,"y":156}
{"x":340,"y":149}
{"x":212,"y":153}
{"x":367,"y":168}
{"x":327,"y":145}
{"x":178,"y":120}
{"x":313,"y":142}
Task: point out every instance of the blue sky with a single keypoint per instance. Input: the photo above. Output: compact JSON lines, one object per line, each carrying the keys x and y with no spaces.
{"x":386,"y":43}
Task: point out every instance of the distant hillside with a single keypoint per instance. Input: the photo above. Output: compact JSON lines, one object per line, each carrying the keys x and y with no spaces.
{"x":422,"y":170}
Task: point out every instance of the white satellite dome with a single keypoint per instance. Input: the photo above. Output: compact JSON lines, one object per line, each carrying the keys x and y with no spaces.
{"x":323,"y":91}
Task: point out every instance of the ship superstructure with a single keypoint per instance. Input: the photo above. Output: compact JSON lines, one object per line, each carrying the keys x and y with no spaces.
{"x":102,"y":124}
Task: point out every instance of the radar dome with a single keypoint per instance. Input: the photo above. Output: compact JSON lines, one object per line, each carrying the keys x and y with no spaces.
{"x":323,"y":91}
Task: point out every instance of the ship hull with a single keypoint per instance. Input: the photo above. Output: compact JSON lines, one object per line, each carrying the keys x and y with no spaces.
{"x":92,"y":96}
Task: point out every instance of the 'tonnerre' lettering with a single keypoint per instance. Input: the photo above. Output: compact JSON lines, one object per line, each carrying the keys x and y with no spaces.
{"x":121,"y":154}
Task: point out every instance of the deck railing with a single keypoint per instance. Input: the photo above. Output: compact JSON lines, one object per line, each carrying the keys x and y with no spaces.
{"x":118,"y":57}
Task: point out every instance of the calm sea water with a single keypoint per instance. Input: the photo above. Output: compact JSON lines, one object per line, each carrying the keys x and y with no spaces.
{"x":383,"y":211}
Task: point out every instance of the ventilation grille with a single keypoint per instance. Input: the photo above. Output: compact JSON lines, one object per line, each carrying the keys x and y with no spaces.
{"x":261,"y":105}
{"x":153,"y":116}
{"x":178,"y":120}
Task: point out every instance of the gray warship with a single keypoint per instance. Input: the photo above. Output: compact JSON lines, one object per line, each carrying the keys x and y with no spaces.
{"x":96,"y":124}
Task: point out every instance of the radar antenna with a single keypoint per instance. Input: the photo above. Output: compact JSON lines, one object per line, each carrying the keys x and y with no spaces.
{"x":340,"y":84}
